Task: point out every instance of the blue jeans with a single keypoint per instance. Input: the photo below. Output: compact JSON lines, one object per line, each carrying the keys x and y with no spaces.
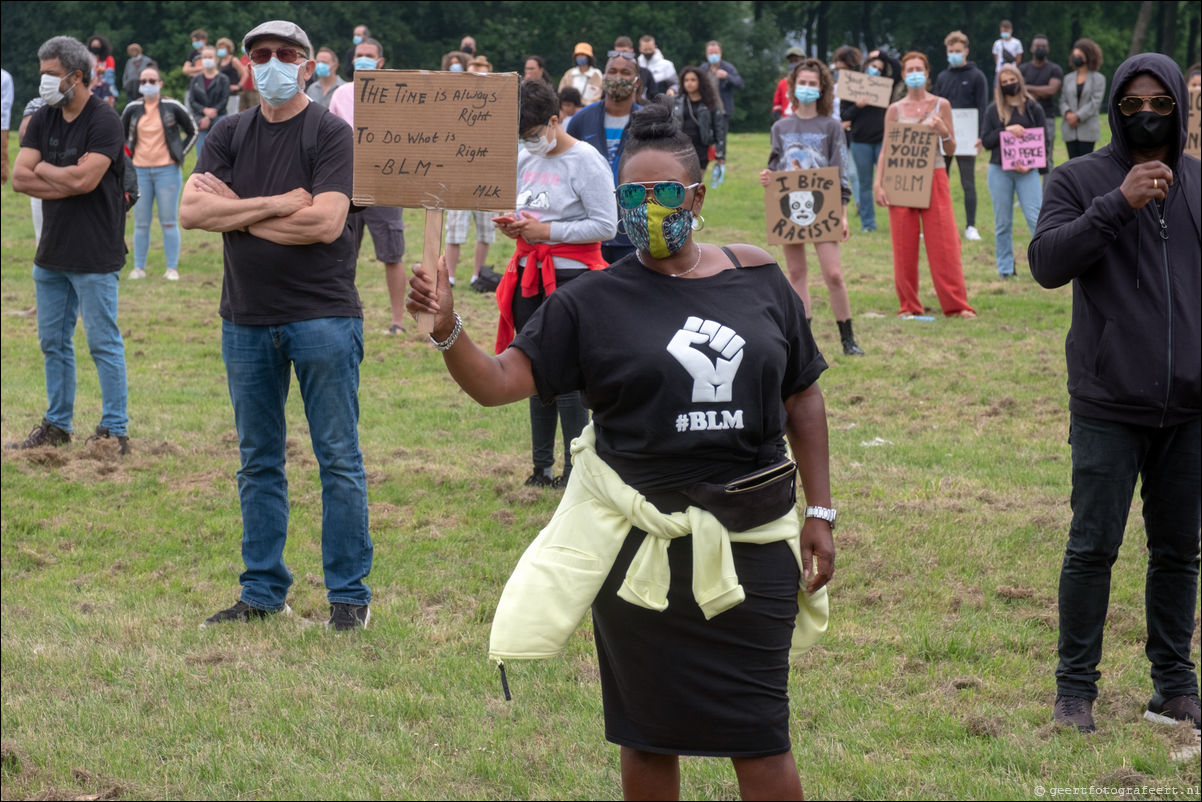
{"x":1108,"y":458}
{"x":259,"y":360}
{"x":61,"y":298}
{"x":157,"y":185}
{"x":865,"y":156}
{"x":853,"y":177}
{"x":1003,"y":185}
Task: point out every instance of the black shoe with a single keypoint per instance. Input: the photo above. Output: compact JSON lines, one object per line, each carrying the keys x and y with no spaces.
{"x":345,"y":617}
{"x":851,"y":349}
{"x":44,"y":434}
{"x":1183,"y":709}
{"x":1074,"y":711}
{"x":242,"y":613}
{"x":848,"y":338}
{"x":102,"y":433}
{"x":541,"y":477}
{"x":560,"y":482}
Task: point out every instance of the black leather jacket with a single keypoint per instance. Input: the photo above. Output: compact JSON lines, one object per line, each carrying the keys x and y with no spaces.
{"x":712,"y":124}
{"x":178,"y":127}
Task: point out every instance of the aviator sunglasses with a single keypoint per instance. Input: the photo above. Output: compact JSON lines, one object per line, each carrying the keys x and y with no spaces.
{"x":1161,"y":104}
{"x":669,"y":194}
{"x":288,"y":55}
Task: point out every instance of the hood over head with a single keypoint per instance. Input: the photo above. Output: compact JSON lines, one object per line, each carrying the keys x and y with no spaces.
{"x":1165,"y":70}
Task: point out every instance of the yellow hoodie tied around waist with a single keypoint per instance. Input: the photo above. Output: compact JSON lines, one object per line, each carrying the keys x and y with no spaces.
{"x":561,"y":572}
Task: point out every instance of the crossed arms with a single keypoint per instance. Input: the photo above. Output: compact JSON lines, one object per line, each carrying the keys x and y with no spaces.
{"x":293,"y":218}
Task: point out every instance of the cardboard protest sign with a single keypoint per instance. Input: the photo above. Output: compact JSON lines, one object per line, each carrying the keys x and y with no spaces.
{"x":910,"y":151}
{"x":966,"y":127}
{"x":853,"y":86}
{"x":804,"y":206}
{"x":1193,"y":145}
{"x":1023,"y":151}
{"x":436,"y":140}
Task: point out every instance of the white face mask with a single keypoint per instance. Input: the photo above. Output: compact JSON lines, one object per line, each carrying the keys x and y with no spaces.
{"x":51,"y":91}
{"x":208,"y":63}
{"x":537,"y":146}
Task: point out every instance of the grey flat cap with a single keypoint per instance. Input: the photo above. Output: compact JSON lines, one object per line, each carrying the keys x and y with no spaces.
{"x":279,"y":29}
{"x":795,"y":51}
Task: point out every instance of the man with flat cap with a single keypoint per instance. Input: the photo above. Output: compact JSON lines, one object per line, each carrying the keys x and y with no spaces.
{"x":276,"y":182}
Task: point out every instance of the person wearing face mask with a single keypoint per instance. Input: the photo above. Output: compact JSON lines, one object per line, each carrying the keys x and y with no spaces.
{"x":603,"y":125}
{"x":72,"y":157}
{"x":865,"y":125}
{"x":1121,"y":225}
{"x":662,"y":70}
{"x":565,"y":210}
{"x":192,"y":67}
{"x":810,"y":138}
{"x":234,"y":70}
{"x":584,"y":77}
{"x":1081,"y":99}
{"x":455,"y":61}
{"x":104,"y":80}
{"x":208,"y":95}
{"x":1007,"y":49}
{"x":1014,"y":111}
{"x":698,"y":368}
{"x":1044,"y":79}
{"x":386,"y":223}
{"x":468,"y":45}
{"x":965,"y":87}
{"x":276,"y":182}
{"x":727,"y":78}
{"x":328,"y":79}
{"x":159,"y":132}
{"x":934,"y":226}
{"x":359,"y":35}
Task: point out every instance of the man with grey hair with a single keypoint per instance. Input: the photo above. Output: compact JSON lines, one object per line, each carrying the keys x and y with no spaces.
{"x":276,"y":182}
{"x":72,"y":158}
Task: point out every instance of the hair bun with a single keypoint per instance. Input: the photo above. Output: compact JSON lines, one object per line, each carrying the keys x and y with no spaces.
{"x":654,"y":121}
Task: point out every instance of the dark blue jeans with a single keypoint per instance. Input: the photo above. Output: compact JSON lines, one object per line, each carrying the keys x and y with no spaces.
{"x":1108,"y":457}
{"x":259,"y":360}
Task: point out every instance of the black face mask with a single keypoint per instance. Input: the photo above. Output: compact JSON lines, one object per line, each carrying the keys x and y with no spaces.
{"x":468,"y":49}
{"x":1078,"y":61}
{"x":1147,"y":130}
{"x":1009,"y":89}
{"x":1040,"y":53}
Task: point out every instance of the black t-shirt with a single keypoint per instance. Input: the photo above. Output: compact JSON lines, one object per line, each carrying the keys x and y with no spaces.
{"x":1042,"y":75}
{"x":82,"y":233}
{"x":267,"y":284}
{"x":686,"y":377}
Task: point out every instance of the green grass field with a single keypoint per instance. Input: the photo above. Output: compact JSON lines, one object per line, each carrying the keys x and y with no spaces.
{"x":949,"y":468}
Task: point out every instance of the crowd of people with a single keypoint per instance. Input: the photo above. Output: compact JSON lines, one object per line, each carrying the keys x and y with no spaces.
{"x":695,"y":361}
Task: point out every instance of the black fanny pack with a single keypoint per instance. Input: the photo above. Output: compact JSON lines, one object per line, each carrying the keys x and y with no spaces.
{"x":749,"y":501}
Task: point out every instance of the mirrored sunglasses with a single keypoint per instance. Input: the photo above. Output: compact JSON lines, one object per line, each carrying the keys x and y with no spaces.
{"x":626,"y":54}
{"x":1133,"y":104}
{"x":669,"y":194}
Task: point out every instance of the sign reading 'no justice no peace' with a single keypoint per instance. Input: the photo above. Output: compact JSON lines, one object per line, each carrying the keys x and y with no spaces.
{"x":436,"y":140}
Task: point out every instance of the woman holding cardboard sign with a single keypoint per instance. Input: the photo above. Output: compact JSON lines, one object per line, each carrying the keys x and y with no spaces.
{"x":698,"y":366}
{"x":935,"y":224}
{"x":1013,"y":111}
{"x":810,"y":138}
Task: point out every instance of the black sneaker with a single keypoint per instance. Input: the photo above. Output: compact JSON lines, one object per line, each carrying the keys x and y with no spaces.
{"x":1075,"y":712}
{"x":102,"y":433}
{"x":541,"y":477}
{"x":1178,"y":710}
{"x":44,"y":434}
{"x":242,"y":613}
{"x":345,"y":617}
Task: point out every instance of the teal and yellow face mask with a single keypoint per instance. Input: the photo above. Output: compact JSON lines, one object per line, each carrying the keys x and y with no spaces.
{"x":657,"y":230}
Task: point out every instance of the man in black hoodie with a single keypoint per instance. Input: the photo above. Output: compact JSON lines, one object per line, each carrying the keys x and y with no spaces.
{"x":1123,"y":225}
{"x":965,"y":87}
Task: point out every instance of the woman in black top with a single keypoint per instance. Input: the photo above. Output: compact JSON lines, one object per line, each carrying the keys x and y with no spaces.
{"x":231,"y":67}
{"x":1013,"y":111}
{"x":700,"y":115}
{"x":696,"y":371}
{"x":866,"y":125}
{"x":208,"y":94}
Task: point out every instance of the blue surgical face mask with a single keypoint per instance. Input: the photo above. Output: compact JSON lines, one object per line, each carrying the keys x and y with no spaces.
{"x":714,"y":58}
{"x":916,"y":80}
{"x":582,"y":61}
{"x":807,"y":94}
{"x":456,"y":67}
{"x":222,"y":52}
{"x":276,"y":81}
{"x":357,"y":40}
{"x":197,"y":45}
{"x":955,"y":59}
{"x":364,"y":63}
{"x":322,"y":70}
{"x":1006,"y":34}
{"x":871,"y":71}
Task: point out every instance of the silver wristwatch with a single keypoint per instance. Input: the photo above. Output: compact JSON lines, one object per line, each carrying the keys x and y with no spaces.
{"x":825,"y":513}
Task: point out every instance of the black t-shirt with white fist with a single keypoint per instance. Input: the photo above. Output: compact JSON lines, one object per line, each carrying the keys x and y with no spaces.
{"x":686,"y":377}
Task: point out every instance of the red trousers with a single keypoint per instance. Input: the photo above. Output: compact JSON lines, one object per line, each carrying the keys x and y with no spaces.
{"x":942,"y":238}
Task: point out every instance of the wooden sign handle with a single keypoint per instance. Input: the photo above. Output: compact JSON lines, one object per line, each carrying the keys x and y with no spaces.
{"x":431,"y":244}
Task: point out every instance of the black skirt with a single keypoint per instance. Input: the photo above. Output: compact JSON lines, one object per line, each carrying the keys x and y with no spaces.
{"x":674,"y":683}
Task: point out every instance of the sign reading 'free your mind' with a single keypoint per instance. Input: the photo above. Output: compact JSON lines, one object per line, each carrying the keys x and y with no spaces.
{"x":436,"y":140}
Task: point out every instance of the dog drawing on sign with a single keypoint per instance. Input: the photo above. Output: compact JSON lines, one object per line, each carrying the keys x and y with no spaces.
{"x":801,"y":207}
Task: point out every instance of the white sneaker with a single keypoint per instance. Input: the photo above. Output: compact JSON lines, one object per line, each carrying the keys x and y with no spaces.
{"x":137,"y":272}
{"x":171,"y":274}
{"x":971,"y":233}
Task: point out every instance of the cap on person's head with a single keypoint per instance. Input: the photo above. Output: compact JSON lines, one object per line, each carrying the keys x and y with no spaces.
{"x":279,"y":29}
{"x":583,"y":48}
{"x":795,"y":51}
